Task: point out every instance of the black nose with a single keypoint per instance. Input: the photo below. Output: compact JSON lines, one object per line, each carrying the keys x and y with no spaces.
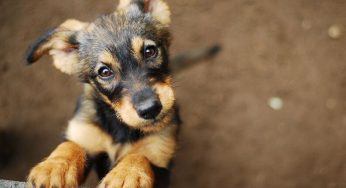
{"x":149,"y":109}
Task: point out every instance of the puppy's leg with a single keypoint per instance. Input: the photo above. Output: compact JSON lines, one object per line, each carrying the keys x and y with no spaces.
{"x":134,"y":170}
{"x":63,"y":168}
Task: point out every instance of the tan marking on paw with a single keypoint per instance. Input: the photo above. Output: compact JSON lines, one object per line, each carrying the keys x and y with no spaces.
{"x":132,"y":172}
{"x":63,"y":168}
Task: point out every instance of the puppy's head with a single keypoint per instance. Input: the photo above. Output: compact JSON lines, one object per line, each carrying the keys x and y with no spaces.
{"x":123,"y":56}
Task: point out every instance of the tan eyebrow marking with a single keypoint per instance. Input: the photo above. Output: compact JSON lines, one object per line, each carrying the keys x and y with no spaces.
{"x":137,"y":45}
{"x":107,"y":58}
{"x":149,"y":42}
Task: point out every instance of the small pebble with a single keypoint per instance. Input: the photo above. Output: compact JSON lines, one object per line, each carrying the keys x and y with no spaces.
{"x":334,"y":32}
{"x":275,"y":103}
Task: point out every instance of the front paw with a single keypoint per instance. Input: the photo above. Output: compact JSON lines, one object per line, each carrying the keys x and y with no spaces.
{"x":54,"y":173}
{"x":132,"y":172}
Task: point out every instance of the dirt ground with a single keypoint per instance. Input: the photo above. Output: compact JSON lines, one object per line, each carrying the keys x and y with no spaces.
{"x":230,"y":137}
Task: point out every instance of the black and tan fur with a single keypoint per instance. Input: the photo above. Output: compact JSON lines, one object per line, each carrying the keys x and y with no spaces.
{"x":126,"y":122}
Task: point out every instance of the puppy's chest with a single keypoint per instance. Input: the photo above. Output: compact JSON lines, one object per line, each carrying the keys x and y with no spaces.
{"x":123,"y":138}
{"x":95,"y":139}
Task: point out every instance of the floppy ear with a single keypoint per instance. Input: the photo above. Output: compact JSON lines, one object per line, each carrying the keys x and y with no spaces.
{"x":157,"y":8}
{"x":61,"y":44}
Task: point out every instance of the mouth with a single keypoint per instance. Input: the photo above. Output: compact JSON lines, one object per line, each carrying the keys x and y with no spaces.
{"x":158,"y":123}
{"x":156,"y":120}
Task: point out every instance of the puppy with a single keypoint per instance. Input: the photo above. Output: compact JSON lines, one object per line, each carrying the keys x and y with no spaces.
{"x":126,"y":121}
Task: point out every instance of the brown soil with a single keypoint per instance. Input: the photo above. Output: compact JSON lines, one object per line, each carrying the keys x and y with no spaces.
{"x":230,"y":137}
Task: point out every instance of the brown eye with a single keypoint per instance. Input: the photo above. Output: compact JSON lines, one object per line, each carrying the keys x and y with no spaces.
{"x":105,"y":72}
{"x":150,"y":52}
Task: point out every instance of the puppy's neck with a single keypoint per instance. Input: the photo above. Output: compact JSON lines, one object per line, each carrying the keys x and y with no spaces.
{"x":109,"y":122}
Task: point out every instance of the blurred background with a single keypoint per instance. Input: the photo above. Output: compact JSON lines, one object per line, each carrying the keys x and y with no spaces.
{"x":267,"y":112}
